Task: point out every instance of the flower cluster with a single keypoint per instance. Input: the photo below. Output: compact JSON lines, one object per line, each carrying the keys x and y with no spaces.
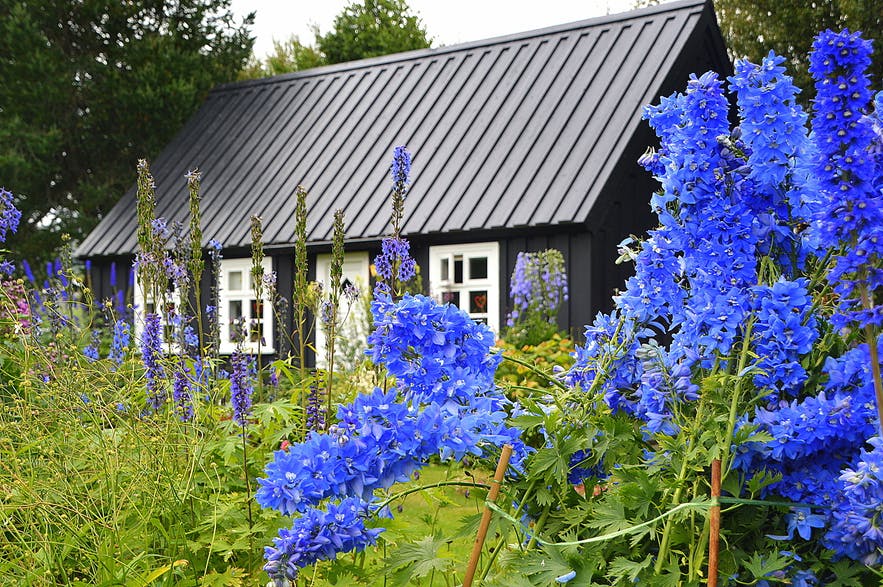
{"x":152,"y":355}
{"x":91,"y":352}
{"x":400,"y":168}
{"x":10,"y":216}
{"x":182,"y":394}
{"x":785,"y":331}
{"x":851,"y":202}
{"x":241,"y":385}
{"x":813,"y":437}
{"x":316,"y":536}
{"x":773,"y":127}
{"x":857,"y":528}
{"x":315,"y":410}
{"x":394,"y":263}
{"x":436,"y":352}
{"x":538,"y":286}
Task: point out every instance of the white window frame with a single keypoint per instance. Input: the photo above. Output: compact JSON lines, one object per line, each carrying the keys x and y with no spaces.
{"x":441,"y":284}
{"x":245,"y":294}
{"x":356,"y":268}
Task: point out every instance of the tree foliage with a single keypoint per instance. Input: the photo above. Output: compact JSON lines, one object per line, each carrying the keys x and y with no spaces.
{"x":287,"y":56}
{"x":372,"y":28}
{"x":753,"y":27}
{"x":91,"y":86}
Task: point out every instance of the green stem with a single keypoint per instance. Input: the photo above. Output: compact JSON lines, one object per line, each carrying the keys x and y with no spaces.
{"x":737,"y":396}
{"x":247,"y":498}
{"x":676,"y":498}
{"x":408,"y":492}
{"x":534,"y":369}
{"x":504,"y":536}
{"x":536,"y":530}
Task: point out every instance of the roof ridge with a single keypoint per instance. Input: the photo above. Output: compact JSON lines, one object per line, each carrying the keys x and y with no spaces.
{"x":595,"y":21}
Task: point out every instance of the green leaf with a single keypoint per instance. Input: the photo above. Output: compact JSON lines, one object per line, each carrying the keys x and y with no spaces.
{"x":420,"y":558}
{"x":610,"y":516}
{"x":623,"y":568}
{"x":761,"y":566}
{"x":232,"y":577}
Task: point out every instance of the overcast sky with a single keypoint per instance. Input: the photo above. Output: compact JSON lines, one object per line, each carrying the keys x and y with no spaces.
{"x":447,"y":21}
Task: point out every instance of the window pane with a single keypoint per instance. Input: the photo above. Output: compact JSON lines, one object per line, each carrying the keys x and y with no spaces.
{"x":478,"y":268}
{"x":235,"y":319}
{"x":445,"y":269}
{"x":478,"y":302}
{"x":451,"y":297}
{"x":257,"y":310}
{"x":254,"y":335}
{"x":235,"y":309}
{"x":234,"y":281}
{"x":458,"y":270}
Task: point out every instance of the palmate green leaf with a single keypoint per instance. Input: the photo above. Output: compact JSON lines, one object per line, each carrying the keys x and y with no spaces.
{"x":760,"y":566}
{"x":419,"y":559}
{"x":609,"y":516}
{"x":762,"y":480}
{"x":623,"y":568}
{"x":544,"y":566}
{"x":846,"y":574}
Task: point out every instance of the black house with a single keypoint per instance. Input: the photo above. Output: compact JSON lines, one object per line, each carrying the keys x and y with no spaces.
{"x":519,"y":143}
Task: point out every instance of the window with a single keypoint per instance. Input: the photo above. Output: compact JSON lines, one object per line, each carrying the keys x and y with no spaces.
{"x":350,"y":350}
{"x":238,"y":303}
{"x":467,"y":276}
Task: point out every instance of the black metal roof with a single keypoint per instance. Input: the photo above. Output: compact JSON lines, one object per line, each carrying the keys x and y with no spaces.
{"x":516,"y":131}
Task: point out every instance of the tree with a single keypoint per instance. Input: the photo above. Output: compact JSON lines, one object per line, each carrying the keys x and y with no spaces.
{"x":91,"y":86}
{"x":287,"y":56}
{"x":376,"y":27}
{"x":753,"y":27}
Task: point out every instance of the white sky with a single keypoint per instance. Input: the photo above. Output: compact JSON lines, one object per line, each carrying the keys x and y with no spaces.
{"x":447,"y":21}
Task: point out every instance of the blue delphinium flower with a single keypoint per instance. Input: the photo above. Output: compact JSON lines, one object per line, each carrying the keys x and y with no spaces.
{"x":812,"y":437}
{"x":182,"y":394}
{"x":319,"y":535}
{"x":91,"y":351}
{"x":394,"y":263}
{"x":10,"y":216}
{"x":315,"y":408}
{"x":29,"y":273}
{"x":151,"y":355}
{"x":802,"y":520}
{"x":693,"y":272}
{"x":857,"y":528}
{"x":775,"y":135}
{"x":579,"y":473}
{"x":122,"y":338}
{"x":784,"y":331}
{"x":851,"y":204}
{"x":538,"y":286}
{"x":401,"y":168}
{"x":241,"y":385}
